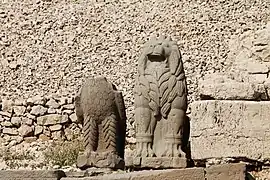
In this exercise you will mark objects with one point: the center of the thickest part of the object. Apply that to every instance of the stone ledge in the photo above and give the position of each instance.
(181, 174)
(33, 174)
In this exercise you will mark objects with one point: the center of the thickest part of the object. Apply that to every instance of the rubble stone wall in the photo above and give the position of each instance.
(38, 118)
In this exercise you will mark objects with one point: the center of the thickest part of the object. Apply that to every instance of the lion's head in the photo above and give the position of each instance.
(161, 49)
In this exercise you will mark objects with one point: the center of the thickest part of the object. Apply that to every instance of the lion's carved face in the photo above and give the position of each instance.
(158, 49)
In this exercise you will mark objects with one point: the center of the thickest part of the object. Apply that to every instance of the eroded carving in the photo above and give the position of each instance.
(161, 101)
(101, 109)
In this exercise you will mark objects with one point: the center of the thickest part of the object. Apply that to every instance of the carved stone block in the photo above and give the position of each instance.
(101, 109)
(162, 127)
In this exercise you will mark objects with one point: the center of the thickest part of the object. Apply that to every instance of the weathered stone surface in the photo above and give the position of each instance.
(6, 114)
(52, 111)
(27, 121)
(38, 100)
(30, 139)
(25, 130)
(169, 174)
(226, 172)
(230, 129)
(56, 127)
(6, 124)
(52, 104)
(161, 103)
(43, 137)
(38, 130)
(52, 119)
(100, 159)
(221, 87)
(16, 121)
(73, 118)
(19, 110)
(156, 162)
(7, 105)
(38, 110)
(10, 131)
(33, 174)
(101, 108)
(68, 106)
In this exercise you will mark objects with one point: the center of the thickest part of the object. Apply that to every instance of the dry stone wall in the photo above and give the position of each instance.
(38, 118)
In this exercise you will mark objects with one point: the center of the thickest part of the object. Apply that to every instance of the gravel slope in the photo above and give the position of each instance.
(49, 47)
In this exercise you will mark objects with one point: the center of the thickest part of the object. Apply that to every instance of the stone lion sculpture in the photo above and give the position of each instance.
(161, 101)
(101, 109)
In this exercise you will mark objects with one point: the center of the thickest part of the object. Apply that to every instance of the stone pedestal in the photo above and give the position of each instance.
(101, 160)
(156, 162)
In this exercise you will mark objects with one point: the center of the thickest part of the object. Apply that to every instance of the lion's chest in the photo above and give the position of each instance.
(156, 69)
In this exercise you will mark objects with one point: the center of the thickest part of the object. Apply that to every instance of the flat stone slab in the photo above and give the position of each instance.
(156, 162)
(221, 129)
(181, 174)
(226, 172)
(31, 174)
(102, 160)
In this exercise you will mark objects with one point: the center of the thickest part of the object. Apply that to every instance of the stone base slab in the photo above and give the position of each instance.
(181, 174)
(31, 175)
(156, 162)
(101, 160)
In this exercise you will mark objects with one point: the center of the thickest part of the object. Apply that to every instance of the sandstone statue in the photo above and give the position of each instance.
(161, 101)
(101, 109)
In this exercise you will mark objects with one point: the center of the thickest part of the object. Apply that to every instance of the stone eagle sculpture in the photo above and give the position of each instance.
(101, 109)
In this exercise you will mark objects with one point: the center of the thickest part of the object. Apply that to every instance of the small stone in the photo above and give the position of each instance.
(10, 131)
(70, 100)
(67, 111)
(69, 134)
(46, 131)
(52, 119)
(43, 137)
(29, 139)
(12, 143)
(30, 116)
(19, 139)
(38, 100)
(52, 104)
(25, 130)
(52, 111)
(19, 110)
(27, 121)
(38, 110)
(16, 121)
(30, 102)
(68, 106)
(6, 114)
(38, 130)
(73, 117)
(13, 65)
(56, 127)
(6, 124)
(63, 101)
(7, 106)
(57, 135)
(19, 102)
